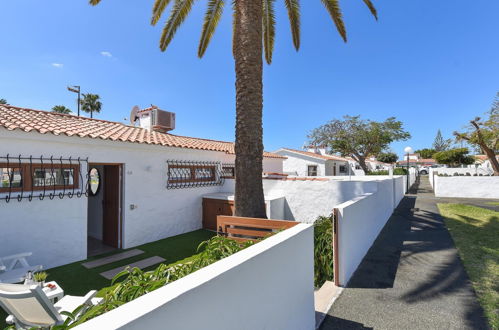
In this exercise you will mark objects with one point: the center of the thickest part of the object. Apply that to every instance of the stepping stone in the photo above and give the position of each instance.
(140, 264)
(112, 258)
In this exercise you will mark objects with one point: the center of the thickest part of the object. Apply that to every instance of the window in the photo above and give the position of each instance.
(343, 168)
(312, 170)
(10, 177)
(54, 176)
(228, 172)
(191, 173)
(357, 167)
(37, 177)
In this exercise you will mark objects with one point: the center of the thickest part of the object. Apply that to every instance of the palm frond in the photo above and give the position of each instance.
(268, 21)
(293, 7)
(211, 19)
(178, 14)
(371, 7)
(94, 2)
(158, 10)
(333, 7)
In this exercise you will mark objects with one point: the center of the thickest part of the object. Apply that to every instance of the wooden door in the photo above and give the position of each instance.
(111, 205)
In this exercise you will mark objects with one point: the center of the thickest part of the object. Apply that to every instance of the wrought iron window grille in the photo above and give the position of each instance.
(229, 170)
(191, 174)
(59, 183)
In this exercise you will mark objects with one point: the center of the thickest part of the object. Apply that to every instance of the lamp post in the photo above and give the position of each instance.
(408, 151)
(76, 89)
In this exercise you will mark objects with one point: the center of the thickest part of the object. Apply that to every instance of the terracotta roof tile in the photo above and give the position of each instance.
(16, 118)
(313, 154)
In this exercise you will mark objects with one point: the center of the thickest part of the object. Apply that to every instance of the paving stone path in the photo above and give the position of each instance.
(412, 277)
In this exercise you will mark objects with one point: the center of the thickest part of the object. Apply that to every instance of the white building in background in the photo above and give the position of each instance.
(314, 162)
(68, 180)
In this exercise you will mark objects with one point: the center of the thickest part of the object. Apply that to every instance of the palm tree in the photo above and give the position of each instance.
(61, 109)
(3, 101)
(91, 103)
(253, 36)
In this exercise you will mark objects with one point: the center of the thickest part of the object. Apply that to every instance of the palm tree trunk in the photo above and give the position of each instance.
(247, 49)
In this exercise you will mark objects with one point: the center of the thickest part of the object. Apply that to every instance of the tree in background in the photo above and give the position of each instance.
(90, 103)
(441, 144)
(485, 134)
(388, 157)
(426, 152)
(358, 138)
(61, 109)
(3, 101)
(252, 39)
(454, 157)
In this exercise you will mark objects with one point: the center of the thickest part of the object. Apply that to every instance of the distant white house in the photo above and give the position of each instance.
(313, 162)
(68, 180)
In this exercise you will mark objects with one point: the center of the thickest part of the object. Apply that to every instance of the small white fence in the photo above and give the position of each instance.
(480, 171)
(467, 186)
(269, 285)
(359, 223)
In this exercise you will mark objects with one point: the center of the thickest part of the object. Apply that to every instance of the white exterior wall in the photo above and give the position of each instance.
(360, 221)
(467, 186)
(269, 285)
(306, 200)
(56, 230)
(273, 165)
(298, 165)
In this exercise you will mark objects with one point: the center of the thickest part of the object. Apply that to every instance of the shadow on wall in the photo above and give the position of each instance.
(288, 213)
(379, 266)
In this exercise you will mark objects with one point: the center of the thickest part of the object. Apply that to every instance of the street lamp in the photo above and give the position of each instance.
(76, 89)
(408, 151)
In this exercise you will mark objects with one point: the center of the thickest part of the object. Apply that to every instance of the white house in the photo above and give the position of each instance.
(314, 162)
(67, 181)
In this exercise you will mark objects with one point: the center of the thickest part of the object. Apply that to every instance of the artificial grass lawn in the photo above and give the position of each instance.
(77, 280)
(476, 234)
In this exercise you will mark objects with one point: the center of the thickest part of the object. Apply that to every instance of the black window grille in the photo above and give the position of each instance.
(229, 171)
(40, 177)
(191, 174)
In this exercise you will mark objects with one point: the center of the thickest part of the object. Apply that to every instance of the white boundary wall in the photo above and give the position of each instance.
(269, 285)
(307, 200)
(360, 220)
(467, 186)
(451, 171)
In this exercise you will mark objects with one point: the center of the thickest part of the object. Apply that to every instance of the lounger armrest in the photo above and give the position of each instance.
(88, 297)
(10, 319)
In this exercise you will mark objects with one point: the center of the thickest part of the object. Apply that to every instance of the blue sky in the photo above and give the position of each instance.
(432, 64)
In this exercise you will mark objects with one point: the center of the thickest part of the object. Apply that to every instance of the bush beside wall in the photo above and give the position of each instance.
(323, 251)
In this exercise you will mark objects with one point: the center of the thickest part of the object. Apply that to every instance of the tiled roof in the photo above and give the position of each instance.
(16, 118)
(313, 154)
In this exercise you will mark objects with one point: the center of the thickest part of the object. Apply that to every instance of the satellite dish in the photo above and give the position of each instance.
(133, 114)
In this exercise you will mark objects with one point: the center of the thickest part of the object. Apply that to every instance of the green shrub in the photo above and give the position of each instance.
(137, 282)
(396, 171)
(323, 250)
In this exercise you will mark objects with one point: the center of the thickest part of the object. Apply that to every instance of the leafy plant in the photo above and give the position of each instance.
(323, 250)
(40, 276)
(454, 157)
(396, 171)
(136, 282)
